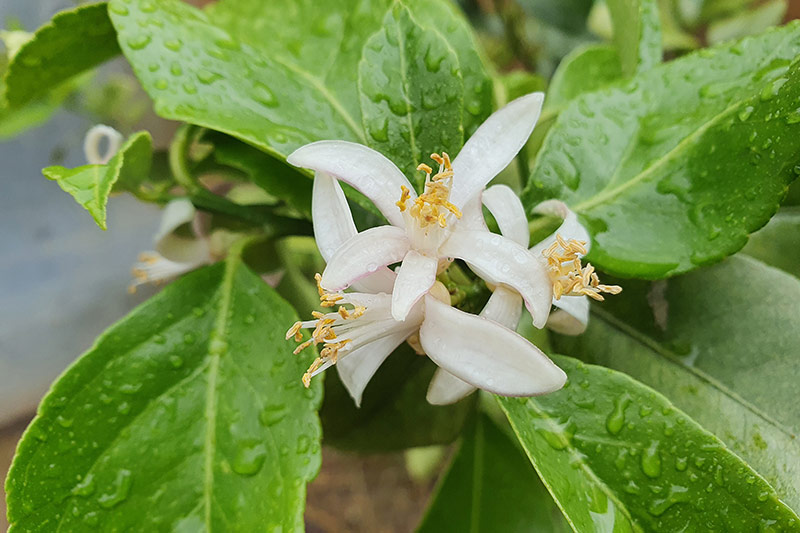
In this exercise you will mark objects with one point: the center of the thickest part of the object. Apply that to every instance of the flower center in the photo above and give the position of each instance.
(324, 332)
(433, 205)
(568, 276)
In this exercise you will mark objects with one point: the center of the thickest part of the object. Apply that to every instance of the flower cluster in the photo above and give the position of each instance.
(385, 307)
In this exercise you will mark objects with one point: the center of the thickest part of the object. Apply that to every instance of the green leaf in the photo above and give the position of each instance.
(91, 185)
(637, 33)
(411, 93)
(188, 415)
(673, 169)
(274, 176)
(778, 243)
(72, 42)
(749, 22)
(394, 414)
(279, 75)
(723, 344)
(617, 456)
(490, 486)
(585, 69)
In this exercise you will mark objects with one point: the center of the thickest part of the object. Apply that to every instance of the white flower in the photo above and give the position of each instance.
(444, 222)
(94, 139)
(477, 351)
(562, 252)
(175, 252)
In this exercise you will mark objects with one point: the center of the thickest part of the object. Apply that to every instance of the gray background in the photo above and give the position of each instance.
(62, 279)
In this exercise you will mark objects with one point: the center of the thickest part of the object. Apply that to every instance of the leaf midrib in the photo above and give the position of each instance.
(218, 335)
(607, 194)
(577, 458)
(673, 359)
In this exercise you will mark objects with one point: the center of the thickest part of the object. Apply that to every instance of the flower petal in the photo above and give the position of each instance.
(504, 307)
(380, 281)
(363, 168)
(415, 277)
(356, 368)
(507, 210)
(571, 317)
(91, 144)
(472, 215)
(493, 146)
(446, 389)
(500, 260)
(333, 221)
(175, 248)
(363, 254)
(571, 228)
(485, 354)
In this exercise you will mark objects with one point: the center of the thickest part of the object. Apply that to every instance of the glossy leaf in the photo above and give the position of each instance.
(490, 486)
(256, 79)
(637, 33)
(411, 93)
(72, 42)
(586, 69)
(747, 22)
(618, 456)
(274, 176)
(330, 43)
(394, 414)
(778, 243)
(722, 343)
(673, 169)
(91, 185)
(188, 415)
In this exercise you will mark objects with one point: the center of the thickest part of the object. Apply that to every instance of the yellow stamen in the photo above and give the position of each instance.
(569, 276)
(433, 205)
(323, 332)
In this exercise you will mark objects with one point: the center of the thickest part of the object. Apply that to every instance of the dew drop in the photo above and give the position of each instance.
(161, 84)
(173, 44)
(207, 77)
(189, 88)
(64, 422)
(85, 487)
(124, 408)
(159, 339)
(303, 444)
(793, 117)
(130, 388)
(91, 518)
(651, 460)
(118, 8)
(138, 42)
(272, 414)
(249, 458)
(264, 95)
(176, 361)
(119, 490)
(745, 113)
(188, 338)
(616, 419)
